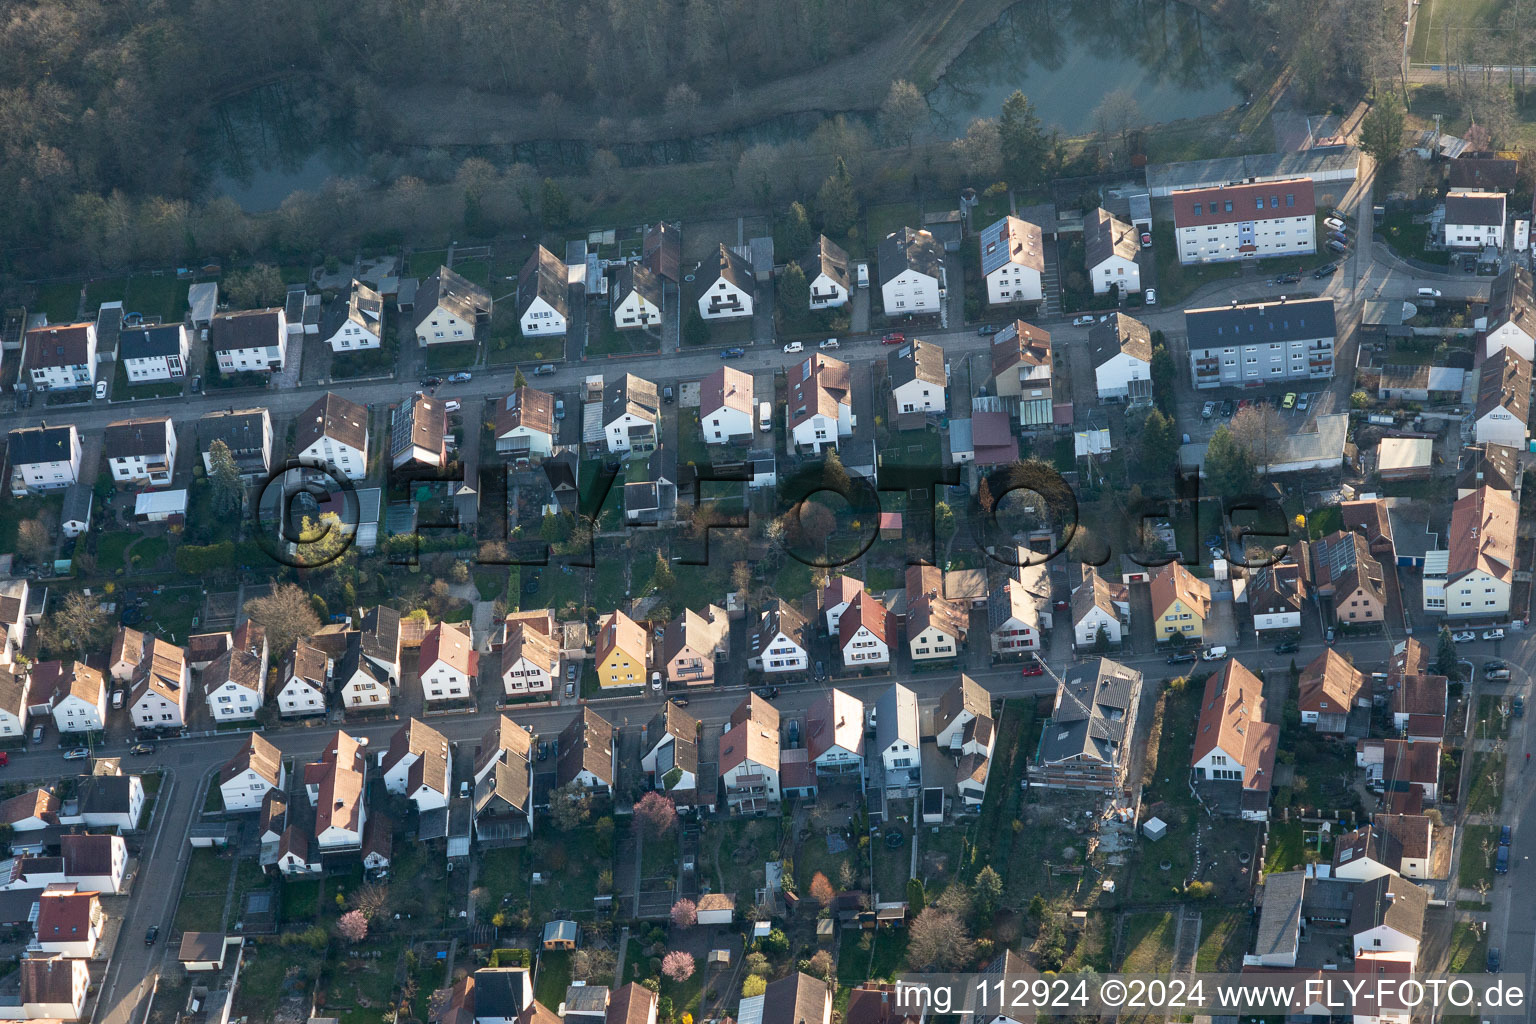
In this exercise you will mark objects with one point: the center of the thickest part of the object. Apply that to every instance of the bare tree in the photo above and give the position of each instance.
(1258, 430)
(980, 149)
(34, 541)
(903, 114)
(939, 941)
(78, 626)
(286, 614)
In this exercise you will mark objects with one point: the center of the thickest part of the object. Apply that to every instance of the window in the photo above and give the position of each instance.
(1197, 209)
(1227, 206)
(1290, 199)
(1259, 203)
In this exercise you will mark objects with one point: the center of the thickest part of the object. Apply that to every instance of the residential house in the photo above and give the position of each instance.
(58, 358)
(1109, 250)
(127, 653)
(1496, 465)
(1252, 220)
(1365, 854)
(157, 694)
(1388, 915)
(778, 642)
(107, 801)
(912, 279)
(826, 273)
(53, 987)
(936, 628)
(1414, 835)
(250, 340)
(32, 811)
(79, 694)
(820, 402)
(1276, 594)
(670, 750)
(919, 377)
(542, 290)
(749, 757)
(14, 618)
(94, 861)
(525, 423)
(306, 678)
(43, 458)
(1233, 760)
(588, 752)
(1502, 413)
(359, 680)
(661, 250)
(381, 640)
(1474, 220)
(631, 415)
(1087, 742)
(235, 683)
(448, 308)
(1476, 576)
(631, 1004)
(336, 785)
(693, 643)
(530, 660)
(418, 433)
(834, 734)
(504, 995)
(154, 353)
(15, 684)
(797, 998)
(1120, 349)
(503, 792)
(1277, 942)
(247, 778)
(333, 432)
(1023, 371)
(1013, 619)
(1403, 766)
(898, 742)
(622, 652)
(862, 633)
(1330, 689)
(247, 433)
(418, 765)
(726, 406)
(962, 704)
(651, 497)
(1419, 705)
(1098, 604)
(141, 452)
(69, 923)
(1180, 604)
(1510, 318)
(75, 514)
(637, 297)
(1012, 261)
(294, 857)
(1257, 344)
(724, 285)
(838, 594)
(357, 324)
(1347, 579)
(449, 664)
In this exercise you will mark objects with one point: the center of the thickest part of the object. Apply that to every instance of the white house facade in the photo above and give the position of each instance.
(154, 353)
(1110, 247)
(1245, 221)
(1474, 220)
(912, 279)
(1012, 260)
(43, 458)
(250, 341)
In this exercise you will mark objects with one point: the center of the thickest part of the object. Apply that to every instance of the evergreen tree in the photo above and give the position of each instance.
(797, 231)
(1445, 655)
(794, 293)
(1381, 130)
(1159, 446)
(553, 205)
(837, 205)
(1024, 144)
(224, 476)
(1228, 466)
(518, 380)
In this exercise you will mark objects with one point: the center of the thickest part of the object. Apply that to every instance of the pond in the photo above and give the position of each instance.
(270, 142)
(1067, 55)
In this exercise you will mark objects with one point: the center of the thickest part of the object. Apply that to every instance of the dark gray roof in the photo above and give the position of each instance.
(1120, 333)
(499, 992)
(1105, 236)
(910, 249)
(1011, 240)
(542, 277)
(247, 328)
(1280, 916)
(1095, 705)
(78, 499)
(364, 307)
(243, 430)
(1259, 323)
(1505, 383)
(826, 257)
(105, 794)
(1513, 299)
(147, 342)
(381, 633)
(127, 439)
(728, 265)
(916, 360)
(463, 298)
(637, 277)
(32, 445)
(334, 417)
(1483, 208)
(1494, 464)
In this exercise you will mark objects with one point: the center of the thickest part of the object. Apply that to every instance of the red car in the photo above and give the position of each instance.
(1034, 668)
(894, 338)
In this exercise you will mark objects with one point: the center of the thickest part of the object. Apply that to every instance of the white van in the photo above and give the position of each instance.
(764, 417)
(1216, 653)
(863, 275)
(1429, 293)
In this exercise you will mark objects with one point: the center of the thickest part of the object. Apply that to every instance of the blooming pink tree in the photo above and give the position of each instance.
(353, 926)
(685, 913)
(656, 813)
(677, 965)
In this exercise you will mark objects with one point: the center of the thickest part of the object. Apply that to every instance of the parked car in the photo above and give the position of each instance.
(988, 329)
(1518, 706)
(559, 408)
(141, 749)
(452, 405)
(668, 396)
(1493, 634)
(1326, 270)
(1333, 223)
(830, 343)
(732, 353)
(5, 758)
(1334, 245)
(1495, 961)
(1214, 653)
(462, 377)
(1466, 636)
(1493, 663)
(1505, 834)
(570, 673)
(1151, 296)
(767, 692)
(1033, 668)
(197, 384)
(37, 733)
(1146, 239)
(1287, 647)
(1429, 293)
(1181, 657)
(117, 699)
(431, 382)
(1208, 410)
(1501, 865)
(1290, 400)
(544, 369)
(151, 935)
(101, 389)
(894, 338)
(1302, 403)
(1226, 409)
(1082, 321)
(77, 754)
(1497, 675)
(794, 346)
(681, 702)
(1243, 403)
(1289, 279)
(570, 689)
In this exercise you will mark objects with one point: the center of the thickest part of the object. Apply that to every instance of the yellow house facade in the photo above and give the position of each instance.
(1180, 604)
(622, 650)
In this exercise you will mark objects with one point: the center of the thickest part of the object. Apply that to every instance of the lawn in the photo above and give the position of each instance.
(110, 548)
(1468, 950)
(553, 977)
(658, 859)
(1439, 22)
(568, 860)
(153, 295)
(451, 357)
(1223, 938)
(605, 339)
(207, 872)
(1176, 281)
(172, 610)
(1487, 789)
(301, 900)
(734, 851)
(504, 872)
(1284, 850)
(1476, 866)
(880, 221)
(1407, 239)
(263, 973)
(200, 914)
(423, 262)
(1492, 723)
(1148, 943)
(892, 867)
